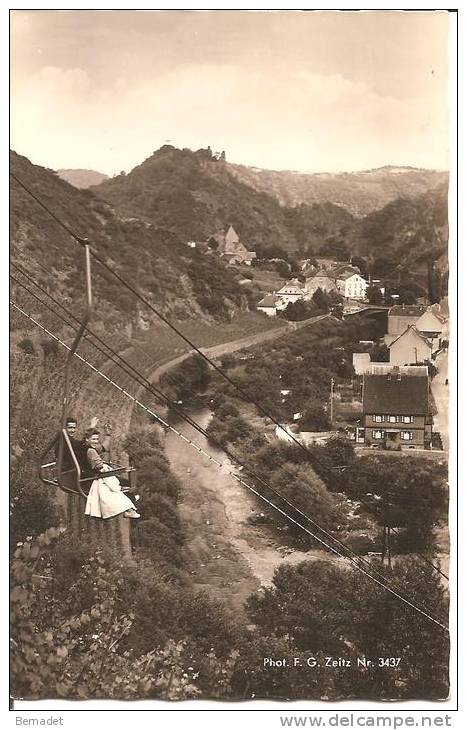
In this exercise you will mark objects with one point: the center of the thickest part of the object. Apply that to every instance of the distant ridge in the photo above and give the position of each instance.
(82, 178)
(360, 193)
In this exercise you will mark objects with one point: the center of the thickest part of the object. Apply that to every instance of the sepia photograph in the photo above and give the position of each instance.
(230, 239)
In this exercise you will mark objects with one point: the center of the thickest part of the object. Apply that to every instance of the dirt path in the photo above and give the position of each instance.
(225, 555)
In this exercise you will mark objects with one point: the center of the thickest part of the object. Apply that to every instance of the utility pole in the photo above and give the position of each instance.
(332, 401)
(386, 550)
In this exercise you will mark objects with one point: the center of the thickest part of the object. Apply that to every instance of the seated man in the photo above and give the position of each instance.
(68, 470)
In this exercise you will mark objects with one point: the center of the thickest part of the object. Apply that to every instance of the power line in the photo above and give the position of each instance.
(233, 474)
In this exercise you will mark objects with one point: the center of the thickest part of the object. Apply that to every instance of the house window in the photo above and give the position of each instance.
(407, 419)
(391, 419)
(407, 435)
(378, 419)
(378, 434)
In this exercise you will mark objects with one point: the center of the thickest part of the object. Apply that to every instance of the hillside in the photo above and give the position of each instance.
(408, 230)
(358, 192)
(194, 194)
(180, 281)
(82, 178)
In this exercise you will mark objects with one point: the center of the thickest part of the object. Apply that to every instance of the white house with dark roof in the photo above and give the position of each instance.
(351, 285)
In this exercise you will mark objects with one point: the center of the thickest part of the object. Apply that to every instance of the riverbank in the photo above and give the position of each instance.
(225, 555)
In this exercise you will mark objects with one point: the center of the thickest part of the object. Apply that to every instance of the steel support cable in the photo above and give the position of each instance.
(246, 396)
(136, 375)
(232, 473)
(129, 286)
(161, 396)
(141, 380)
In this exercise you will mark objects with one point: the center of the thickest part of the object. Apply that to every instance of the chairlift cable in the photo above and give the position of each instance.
(82, 241)
(138, 377)
(232, 473)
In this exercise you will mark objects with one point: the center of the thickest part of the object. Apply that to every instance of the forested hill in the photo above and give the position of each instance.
(180, 281)
(358, 192)
(411, 231)
(194, 195)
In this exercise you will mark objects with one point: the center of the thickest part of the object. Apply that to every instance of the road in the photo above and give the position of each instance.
(440, 393)
(226, 348)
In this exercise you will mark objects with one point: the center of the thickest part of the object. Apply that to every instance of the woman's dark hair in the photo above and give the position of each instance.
(91, 432)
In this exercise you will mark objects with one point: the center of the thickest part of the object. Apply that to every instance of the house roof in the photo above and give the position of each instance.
(415, 331)
(348, 274)
(344, 271)
(406, 396)
(290, 289)
(323, 278)
(268, 301)
(407, 310)
(430, 322)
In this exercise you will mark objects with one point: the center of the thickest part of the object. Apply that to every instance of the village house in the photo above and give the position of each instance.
(231, 249)
(268, 305)
(396, 410)
(410, 348)
(361, 362)
(432, 327)
(291, 292)
(351, 285)
(400, 316)
(319, 281)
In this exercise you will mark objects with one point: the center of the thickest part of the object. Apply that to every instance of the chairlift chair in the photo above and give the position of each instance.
(53, 473)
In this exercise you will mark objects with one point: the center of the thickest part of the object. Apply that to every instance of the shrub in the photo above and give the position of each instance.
(27, 345)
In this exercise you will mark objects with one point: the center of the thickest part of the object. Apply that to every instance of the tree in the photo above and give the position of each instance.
(58, 652)
(362, 264)
(303, 488)
(320, 606)
(321, 300)
(374, 295)
(314, 418)
(299, 310)
(407, 295)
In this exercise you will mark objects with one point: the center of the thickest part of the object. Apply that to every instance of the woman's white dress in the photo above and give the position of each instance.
(106, 499)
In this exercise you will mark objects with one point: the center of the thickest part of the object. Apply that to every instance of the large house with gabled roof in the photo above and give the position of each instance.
(410, 348)
(400, 316)
(396, 410)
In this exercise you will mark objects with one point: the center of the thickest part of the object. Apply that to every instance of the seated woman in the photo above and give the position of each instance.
(105, 498)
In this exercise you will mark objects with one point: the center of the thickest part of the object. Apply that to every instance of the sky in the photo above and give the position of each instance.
(305, 91)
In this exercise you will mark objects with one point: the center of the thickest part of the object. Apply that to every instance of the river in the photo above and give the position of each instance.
(227, 557)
